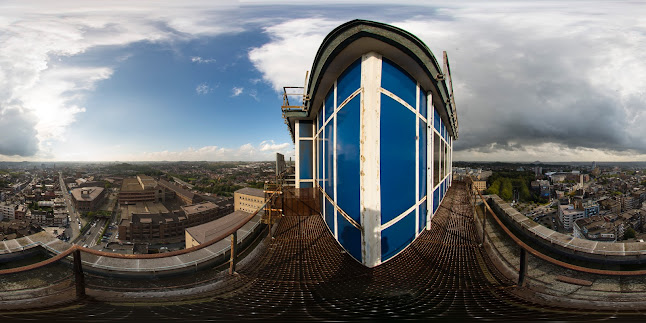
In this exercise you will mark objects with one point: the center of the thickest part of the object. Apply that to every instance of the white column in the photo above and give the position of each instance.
(430, 109)
(370, 193)
(336, 212)
(417, 134)
(297, 153)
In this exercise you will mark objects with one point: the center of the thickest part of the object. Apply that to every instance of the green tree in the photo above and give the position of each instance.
(629, 233)
(506, 189)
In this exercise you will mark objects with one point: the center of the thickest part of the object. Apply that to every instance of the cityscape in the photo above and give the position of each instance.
(340, 161)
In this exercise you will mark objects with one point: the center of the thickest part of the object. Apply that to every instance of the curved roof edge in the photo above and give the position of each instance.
(345, 34)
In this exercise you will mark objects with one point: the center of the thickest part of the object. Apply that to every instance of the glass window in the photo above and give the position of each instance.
(349, 237)
(347, 155)
(348, 82)
(320, 158)
(397, 165)
(329, 104)
(320, 119)
(305, 128)
(397, 237)
(329, 159)
(305, 159)
(398, 82)
(422, 103)
(436, 120)
(436, 159)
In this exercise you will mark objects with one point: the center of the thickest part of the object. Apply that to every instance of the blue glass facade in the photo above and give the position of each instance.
(378, 139)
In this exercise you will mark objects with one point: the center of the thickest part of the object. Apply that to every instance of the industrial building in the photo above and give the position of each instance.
(248, 199)
(142, 188)
(87, 198)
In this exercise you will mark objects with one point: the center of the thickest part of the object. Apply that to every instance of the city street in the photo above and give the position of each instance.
(75, 223)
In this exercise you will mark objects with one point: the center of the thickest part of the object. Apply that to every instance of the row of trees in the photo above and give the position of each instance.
(505, 183)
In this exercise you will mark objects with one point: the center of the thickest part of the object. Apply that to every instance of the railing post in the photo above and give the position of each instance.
(232, 261)
(79, 279)
(523, 267)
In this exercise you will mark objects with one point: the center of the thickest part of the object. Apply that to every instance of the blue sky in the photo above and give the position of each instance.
(194, 80)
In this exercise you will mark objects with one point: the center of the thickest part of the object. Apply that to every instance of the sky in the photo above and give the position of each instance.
(202, 80)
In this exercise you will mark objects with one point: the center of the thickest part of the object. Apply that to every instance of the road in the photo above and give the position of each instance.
(74, 219)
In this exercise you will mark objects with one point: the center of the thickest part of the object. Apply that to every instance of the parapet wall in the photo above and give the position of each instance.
(213, 255)
(581, 249)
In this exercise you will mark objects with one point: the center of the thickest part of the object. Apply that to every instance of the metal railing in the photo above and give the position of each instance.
(78, 264)
(524, 247)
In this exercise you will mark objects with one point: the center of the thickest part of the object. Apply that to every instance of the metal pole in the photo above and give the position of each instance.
(232, 261)
(79, 278)
(523, 267)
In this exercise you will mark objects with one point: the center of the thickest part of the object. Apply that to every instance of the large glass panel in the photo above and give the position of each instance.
(422, 103)
(349, 237)
(436, 159)
(307, 184)
(397, 237)
(305, 155)
(329, 104)
(397, 81)
(329, 215)
(436, 120)
(320, 119)
(348, 82)
(320, 158)
(397, 158)
(422, 216)
(329, 158)
(347, 154)
(436, 199)
(305, 128)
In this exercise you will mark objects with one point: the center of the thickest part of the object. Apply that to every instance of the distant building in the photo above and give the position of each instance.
(140, 189)
(202, 233)
(172, 191)
(629, 203)
(480, 186)
(88, 198)
(611, 205)
(150, 221)
(248, 199)
(568, 215)
(596, 228)
(7, 211)
(21, 212)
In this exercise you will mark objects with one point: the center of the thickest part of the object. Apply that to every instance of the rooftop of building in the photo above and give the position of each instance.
(86, 193)
(251, 191)
(176, 188)
(137, 184)
(207, 231)
(199, 207)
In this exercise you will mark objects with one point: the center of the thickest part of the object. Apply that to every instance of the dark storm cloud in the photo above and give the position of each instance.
(532, 74)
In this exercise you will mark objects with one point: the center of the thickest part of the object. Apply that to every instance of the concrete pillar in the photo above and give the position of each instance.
(79, 279)
(232, 261)
(523, 267)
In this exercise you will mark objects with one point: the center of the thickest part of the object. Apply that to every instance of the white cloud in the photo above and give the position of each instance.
(236, 91)
(33, 38)
(203, 89)
(264, 151)
(271, 146)
(200, 60)
(566, 81)
(284, 60)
